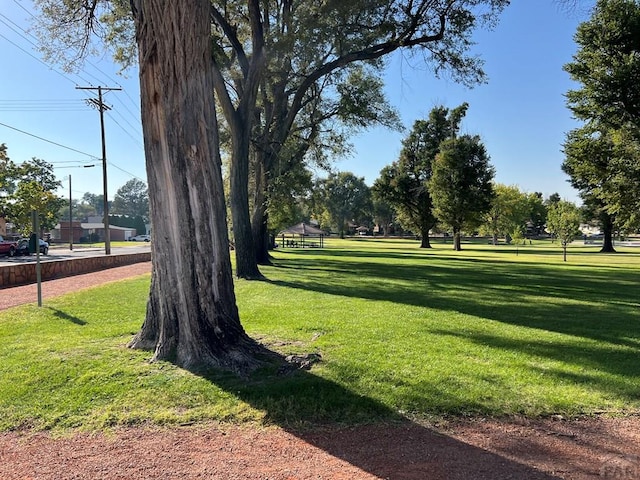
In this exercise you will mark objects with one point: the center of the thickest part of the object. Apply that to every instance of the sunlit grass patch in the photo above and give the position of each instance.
(401, 331)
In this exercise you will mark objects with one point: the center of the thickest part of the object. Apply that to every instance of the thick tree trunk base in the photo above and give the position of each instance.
(242, 358)
(608, 249)
(266, 261)
(251, 277)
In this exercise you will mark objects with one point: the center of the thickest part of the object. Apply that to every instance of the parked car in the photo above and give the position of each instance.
(7, 247)
(140, 238)
(23, 247)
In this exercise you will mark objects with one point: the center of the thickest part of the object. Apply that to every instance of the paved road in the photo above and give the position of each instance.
(62, 252)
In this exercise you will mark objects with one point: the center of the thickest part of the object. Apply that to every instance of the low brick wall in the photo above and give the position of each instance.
(24, 273)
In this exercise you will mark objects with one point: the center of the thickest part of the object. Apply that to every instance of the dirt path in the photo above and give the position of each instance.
(471, 450)
(588, 448)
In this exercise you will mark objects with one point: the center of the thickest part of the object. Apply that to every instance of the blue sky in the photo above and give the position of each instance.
(520, 113)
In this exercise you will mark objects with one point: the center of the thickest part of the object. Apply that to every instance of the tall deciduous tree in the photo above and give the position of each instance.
(602, 157)
(589, 162)
(510, 209)
(32, 186)
(607, 66)
(95, 202)
(405, 183)
(132, 199)
(301, 47)
(345, 198)
(192, 316)
(461, 184)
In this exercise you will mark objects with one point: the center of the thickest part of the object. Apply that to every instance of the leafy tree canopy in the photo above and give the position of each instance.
(461, 184)
(132, 199)
(342, 197)
(607, 65)
(30, 186)
(510, 209)
(563, 221)
(404, 184)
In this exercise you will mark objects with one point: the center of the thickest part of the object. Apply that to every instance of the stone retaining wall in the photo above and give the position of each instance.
(24, 273)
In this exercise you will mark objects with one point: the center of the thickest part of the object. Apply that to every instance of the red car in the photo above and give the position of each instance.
(8, 247)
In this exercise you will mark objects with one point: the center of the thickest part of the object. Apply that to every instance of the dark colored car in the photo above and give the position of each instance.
(23, 247)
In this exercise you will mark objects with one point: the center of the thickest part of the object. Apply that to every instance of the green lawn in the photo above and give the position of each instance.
(402, 332)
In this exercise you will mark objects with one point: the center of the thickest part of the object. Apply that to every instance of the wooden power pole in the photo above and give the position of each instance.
(102, 107)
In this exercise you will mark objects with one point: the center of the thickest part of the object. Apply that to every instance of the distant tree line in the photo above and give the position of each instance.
(441, 182)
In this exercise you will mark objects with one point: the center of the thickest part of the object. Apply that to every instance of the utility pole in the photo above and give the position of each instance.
(100, 105)
(70, 217)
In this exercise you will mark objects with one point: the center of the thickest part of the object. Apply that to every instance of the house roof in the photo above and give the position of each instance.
(302, 229)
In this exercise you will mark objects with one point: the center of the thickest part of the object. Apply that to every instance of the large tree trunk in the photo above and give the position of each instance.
(192, 318)
(607, 231)
(246, 265)
(240, 121)
(457, 245)
(424, 233)
(259, 218)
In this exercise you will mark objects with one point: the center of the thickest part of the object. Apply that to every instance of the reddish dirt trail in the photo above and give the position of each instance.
(489, 449)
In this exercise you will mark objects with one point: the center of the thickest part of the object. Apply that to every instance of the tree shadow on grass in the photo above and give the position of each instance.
(363, 432)
(599, 304)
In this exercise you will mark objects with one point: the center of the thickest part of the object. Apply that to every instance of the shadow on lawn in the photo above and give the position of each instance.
(363, 432)
(599, 304)
(495, 289)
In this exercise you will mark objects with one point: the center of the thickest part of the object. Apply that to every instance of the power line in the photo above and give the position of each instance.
(133, 102)
(49, 141)
(127, 132)
(33, 44)
(41, 105)
(23, 8)
(128, 173)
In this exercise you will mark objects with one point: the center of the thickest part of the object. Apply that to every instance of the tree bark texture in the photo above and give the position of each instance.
(246, 265)
(457, 246)
(607, 237)
(192, 318)
(424, 233)
(259, 220)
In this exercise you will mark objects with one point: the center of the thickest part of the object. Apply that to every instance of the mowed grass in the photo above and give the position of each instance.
(402, 332)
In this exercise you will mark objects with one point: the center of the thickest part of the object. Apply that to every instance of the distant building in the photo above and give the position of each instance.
(89, 232)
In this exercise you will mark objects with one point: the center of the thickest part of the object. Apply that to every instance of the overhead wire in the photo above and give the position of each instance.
(42, 105)
(52, 106)
(50, 141)
(124, 171)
